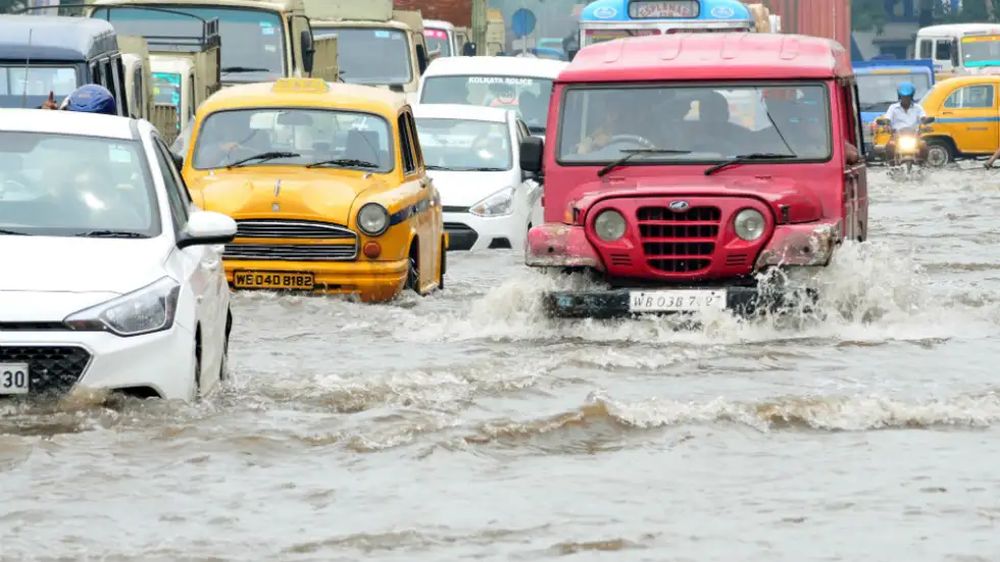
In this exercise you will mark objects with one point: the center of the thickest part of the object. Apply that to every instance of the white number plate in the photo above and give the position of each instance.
(13, 378)
(677, 300)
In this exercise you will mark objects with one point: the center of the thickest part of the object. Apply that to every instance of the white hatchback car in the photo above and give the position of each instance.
(111, 278)
(472, 154)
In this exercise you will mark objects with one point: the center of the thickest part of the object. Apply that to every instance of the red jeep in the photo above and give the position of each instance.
(680, 167)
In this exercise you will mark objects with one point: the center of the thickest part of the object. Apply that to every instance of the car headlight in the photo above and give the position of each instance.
(610, 225)
(499, 204)
(150, 309)
(373, 219)
(907, 144)
(749, 224)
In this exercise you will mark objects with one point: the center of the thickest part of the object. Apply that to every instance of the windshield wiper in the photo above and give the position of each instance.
(111, 234)
(346, 162)
(264, 157)
(13, 232)
(629, 154)
(235, 69)
(741, 158)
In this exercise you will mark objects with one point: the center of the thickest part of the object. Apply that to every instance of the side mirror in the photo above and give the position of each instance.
(927, 120)
(421, 59)
(178, 160)
(308, 51)
(532, 149)
(571, 54)
(469, 49)
(206, 228)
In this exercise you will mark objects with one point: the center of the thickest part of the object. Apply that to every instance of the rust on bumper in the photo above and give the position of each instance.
(801, 245)
(561, 245)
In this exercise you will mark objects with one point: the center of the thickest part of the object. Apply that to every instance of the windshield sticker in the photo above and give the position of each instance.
(271, 48)
(266, 24)
(119, 155)
(267, 31)
(510, 80)
(382, 34)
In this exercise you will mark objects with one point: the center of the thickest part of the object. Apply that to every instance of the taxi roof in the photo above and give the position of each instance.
(307, 92)
(495, 66)
(66, 123)
(709, 56)
(55, 38)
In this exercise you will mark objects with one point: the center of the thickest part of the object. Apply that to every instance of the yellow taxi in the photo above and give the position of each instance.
(966, 118)
(327, 185)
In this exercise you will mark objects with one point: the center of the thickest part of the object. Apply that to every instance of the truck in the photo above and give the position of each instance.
(139, 87)
(263, 39)
(479, 30)
(377, 45)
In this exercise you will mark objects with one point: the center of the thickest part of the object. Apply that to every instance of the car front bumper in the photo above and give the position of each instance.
(470, 232)
(63, 361)
(371, 281)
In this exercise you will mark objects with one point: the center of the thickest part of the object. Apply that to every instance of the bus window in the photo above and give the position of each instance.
(943, 51)
(926, 49)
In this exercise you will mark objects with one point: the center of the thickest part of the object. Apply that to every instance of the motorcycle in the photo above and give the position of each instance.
(908, 159)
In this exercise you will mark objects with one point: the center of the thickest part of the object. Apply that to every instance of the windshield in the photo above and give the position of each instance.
(878, 91)
(713, 123)
(99, 185)
(252, 39)
(437, 42)
(529, 96)
(16, 91)
(371, 56)
(461, 145)
(980, 51)
(314, 135)
(593, 36)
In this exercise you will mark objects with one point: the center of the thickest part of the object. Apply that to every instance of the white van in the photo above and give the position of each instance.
(962, 48)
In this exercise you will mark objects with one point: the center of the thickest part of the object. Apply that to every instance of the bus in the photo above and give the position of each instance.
(960, 49)
(605, 20)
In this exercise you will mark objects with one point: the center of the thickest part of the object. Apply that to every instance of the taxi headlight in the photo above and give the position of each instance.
(373, 219)
(908, 144)
(149, 309)
(610, 225)
(749, 224)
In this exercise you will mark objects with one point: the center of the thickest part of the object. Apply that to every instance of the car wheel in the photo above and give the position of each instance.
(224, 364)
(938, 153)
(413, 277)
(443, 266)
(197, 364)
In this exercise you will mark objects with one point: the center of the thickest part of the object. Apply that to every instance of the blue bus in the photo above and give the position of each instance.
(877, 84)
(604, 20)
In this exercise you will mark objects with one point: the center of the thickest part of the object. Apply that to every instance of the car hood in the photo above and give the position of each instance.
(301, 194)
(46, 278)
(803, 204)
(465, 189)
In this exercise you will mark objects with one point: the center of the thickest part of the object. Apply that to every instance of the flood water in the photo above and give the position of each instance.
(465, 425)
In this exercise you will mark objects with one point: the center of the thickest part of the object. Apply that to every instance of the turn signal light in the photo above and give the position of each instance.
(372, 250)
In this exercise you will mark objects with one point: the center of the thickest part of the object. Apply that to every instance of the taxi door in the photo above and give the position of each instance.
(971, 117)
(423, 211)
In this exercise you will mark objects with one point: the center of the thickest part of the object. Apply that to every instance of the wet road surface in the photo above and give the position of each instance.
(467, 426)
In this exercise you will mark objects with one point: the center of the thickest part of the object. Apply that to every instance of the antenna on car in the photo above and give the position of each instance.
(27, 68)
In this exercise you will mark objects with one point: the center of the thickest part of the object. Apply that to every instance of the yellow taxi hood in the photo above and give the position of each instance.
(289, 193)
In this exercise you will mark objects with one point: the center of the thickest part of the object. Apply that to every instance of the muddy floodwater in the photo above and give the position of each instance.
(465, 425)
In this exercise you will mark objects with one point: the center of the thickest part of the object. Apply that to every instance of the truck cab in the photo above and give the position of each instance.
(377, 45)
(264, 39)
(50, 54)
(678, 170)
(441, 40)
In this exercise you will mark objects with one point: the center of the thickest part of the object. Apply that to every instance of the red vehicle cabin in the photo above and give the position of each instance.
(679, 168)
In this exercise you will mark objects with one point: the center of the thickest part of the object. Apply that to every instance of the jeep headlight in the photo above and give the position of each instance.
(373, 219)
(749, 224)
(610, 225)
(149, 309)
(499, 204)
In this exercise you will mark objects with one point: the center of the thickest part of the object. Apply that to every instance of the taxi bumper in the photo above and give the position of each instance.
(371, 281)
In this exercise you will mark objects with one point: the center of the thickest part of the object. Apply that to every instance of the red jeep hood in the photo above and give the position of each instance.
(803, 204)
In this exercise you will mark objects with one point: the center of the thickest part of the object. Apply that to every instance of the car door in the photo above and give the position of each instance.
(200, 269)
(971, 113)
(414, 174)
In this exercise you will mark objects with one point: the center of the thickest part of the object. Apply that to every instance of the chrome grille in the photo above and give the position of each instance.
(292, 229)
(292, 252)
(679, 242)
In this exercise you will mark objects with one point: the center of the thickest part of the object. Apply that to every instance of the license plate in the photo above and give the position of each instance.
(14, 378)
(273, 280)
(693, 300)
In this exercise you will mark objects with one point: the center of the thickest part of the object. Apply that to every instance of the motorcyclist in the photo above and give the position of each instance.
(89, 98)
(904, 115)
